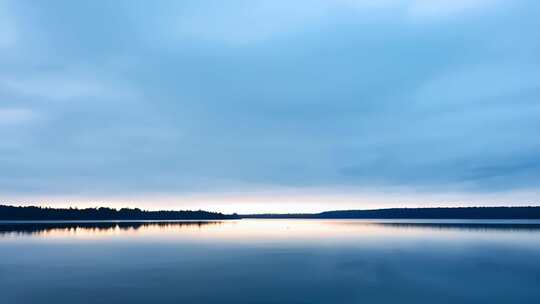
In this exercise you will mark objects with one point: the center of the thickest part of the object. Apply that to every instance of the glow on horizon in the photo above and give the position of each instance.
(255, 231)
(286, 202)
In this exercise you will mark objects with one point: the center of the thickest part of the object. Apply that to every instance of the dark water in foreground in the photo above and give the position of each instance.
(270, 261)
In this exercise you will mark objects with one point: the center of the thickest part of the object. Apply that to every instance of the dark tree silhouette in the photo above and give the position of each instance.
(419, 213)
(50, 214)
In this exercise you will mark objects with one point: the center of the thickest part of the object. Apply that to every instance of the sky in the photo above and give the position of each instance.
(270, 105)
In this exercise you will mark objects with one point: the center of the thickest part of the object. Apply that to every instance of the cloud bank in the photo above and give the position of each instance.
(138, 99)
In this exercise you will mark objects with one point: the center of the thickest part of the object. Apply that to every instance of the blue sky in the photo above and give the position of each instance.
(270, 105)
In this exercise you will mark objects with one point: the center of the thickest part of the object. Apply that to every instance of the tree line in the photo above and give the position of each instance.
(418, 213)
(33, 213)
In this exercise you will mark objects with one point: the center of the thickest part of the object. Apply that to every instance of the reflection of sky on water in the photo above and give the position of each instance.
(270, 261)
(273, 231)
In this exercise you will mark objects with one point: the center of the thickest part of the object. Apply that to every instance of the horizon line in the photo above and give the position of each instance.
(265, 213)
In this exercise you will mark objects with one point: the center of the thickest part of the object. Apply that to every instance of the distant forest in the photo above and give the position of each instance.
(12, 213)
(419, 213)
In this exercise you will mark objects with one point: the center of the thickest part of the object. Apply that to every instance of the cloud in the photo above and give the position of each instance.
(175, 98)
(8, 27)
(14, 116)
(250, 22)
(63, 86)
(245, 22)
(448, 8)
(480, 84)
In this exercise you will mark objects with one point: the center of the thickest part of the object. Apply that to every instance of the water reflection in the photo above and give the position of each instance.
(95, 228)
(270, 261)
(509, 227)
(257, 228)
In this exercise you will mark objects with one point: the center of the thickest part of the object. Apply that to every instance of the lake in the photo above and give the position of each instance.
(270, 261)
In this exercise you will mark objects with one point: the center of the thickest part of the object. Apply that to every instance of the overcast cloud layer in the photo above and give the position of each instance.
(113, 98)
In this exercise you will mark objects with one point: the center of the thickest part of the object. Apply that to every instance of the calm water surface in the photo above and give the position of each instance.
(270, 261)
